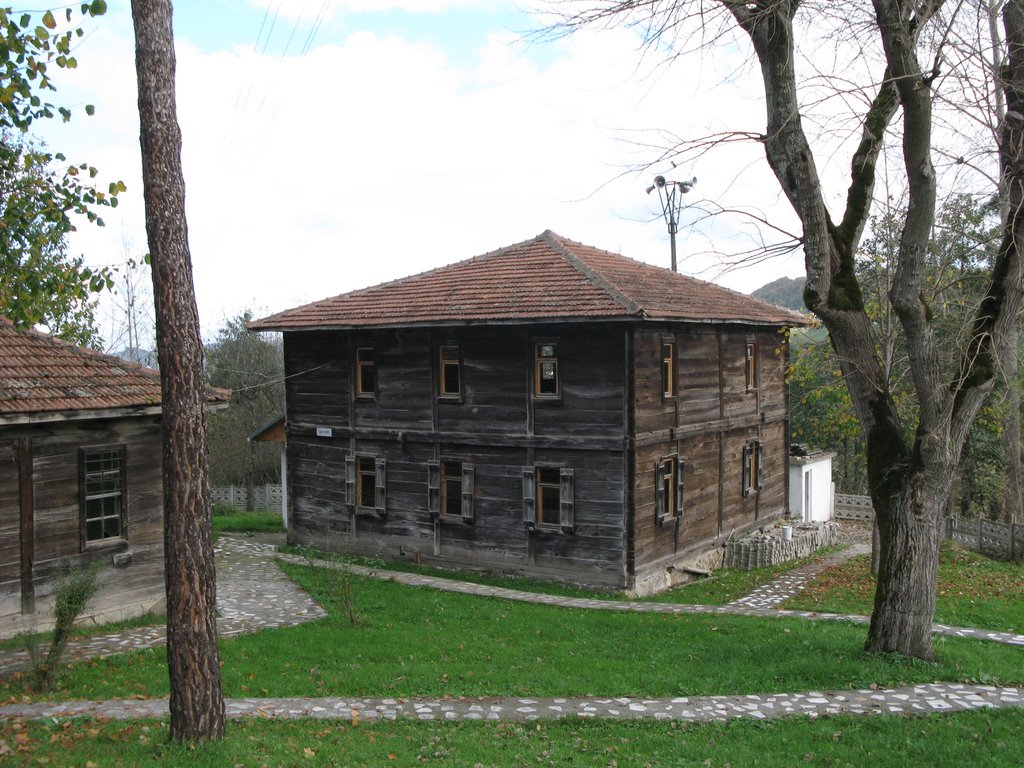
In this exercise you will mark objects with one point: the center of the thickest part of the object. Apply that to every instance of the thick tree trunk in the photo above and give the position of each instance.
(907, 572)
(193, 660)
(1011, 433)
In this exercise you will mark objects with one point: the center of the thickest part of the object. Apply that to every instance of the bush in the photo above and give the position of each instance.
(72, 594)
(223, 509)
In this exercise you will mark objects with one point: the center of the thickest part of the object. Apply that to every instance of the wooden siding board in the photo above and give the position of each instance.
(496, 427)
(56, 494)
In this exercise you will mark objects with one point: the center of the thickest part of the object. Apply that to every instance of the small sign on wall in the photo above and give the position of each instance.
(324, 432)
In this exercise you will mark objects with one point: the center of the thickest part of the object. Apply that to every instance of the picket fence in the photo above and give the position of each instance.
(999, 539)
(266, 498)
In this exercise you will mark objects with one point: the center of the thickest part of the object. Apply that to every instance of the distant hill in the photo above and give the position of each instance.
(785, 292)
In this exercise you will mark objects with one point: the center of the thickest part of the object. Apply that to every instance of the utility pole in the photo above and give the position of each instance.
(670, 194)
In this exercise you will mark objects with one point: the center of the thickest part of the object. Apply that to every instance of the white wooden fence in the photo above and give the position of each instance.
(991, 538)
(266, 498)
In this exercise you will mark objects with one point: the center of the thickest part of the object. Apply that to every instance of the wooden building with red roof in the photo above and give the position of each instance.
(80, 478)
(549, 408)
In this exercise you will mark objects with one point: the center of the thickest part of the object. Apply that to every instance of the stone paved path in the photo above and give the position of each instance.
(792, 582)
(918, 699)
(253, 594)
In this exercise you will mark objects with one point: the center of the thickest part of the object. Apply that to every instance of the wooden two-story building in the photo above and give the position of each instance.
(549, 408)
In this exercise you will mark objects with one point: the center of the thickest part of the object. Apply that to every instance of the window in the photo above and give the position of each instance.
(549, 488)
(366, 372)
(449, 372)
(752, 467)
(103, 483)
(366, 482)
(365, 489)
(450, 490)
(668, 490)
(548, 498)
(668, 369)
(750, 366)
(545, 370)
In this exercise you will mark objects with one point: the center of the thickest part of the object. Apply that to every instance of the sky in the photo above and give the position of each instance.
(330, 145)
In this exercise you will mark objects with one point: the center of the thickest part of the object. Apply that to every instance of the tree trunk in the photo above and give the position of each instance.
(905, 585)
(193, 659)
(1011, 157)
(1011, 433)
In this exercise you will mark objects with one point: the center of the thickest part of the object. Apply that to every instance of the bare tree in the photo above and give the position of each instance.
(130, 301)
(910, 471)
(193, 659)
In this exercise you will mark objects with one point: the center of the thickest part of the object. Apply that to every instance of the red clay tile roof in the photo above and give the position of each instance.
(546, 278)
(40, 374)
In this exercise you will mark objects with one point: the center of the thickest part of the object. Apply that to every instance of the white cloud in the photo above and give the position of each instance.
(373, 157)
(310, 9)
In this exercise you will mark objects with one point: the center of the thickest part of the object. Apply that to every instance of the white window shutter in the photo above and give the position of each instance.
(468, 474)
(680, 484)
(660, 502)
(529, 496)
(350, 481)
(380, 486)
(760, 464)
(746, 470)
(566, 511)
(434, 488)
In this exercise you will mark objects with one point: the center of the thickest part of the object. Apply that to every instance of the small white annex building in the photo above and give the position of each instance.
(811, 492)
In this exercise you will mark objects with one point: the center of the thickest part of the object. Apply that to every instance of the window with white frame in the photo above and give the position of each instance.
(546, 377)
(103, 493)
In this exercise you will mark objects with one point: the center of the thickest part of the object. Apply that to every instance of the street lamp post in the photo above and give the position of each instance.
(670, 194)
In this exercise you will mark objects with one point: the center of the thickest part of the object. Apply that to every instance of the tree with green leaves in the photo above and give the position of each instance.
(959, 257)
(40, 192)
(251, 365)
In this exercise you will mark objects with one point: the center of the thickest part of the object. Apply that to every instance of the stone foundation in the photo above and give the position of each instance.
(768, 547)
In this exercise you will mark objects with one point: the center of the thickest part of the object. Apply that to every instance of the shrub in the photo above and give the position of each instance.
(73, 592)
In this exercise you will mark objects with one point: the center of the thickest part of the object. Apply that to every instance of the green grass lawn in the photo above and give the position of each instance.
(228, 519)
(726, 584)
(973, 590)
(421, 642)
(979, 738)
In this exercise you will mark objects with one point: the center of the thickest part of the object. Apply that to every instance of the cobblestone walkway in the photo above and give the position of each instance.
(253, 594)
(790, 583)
(918, 699)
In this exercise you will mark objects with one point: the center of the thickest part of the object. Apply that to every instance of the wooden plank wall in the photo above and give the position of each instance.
(56, 491)
(10, 506)
(495, 425)
(707, 424)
